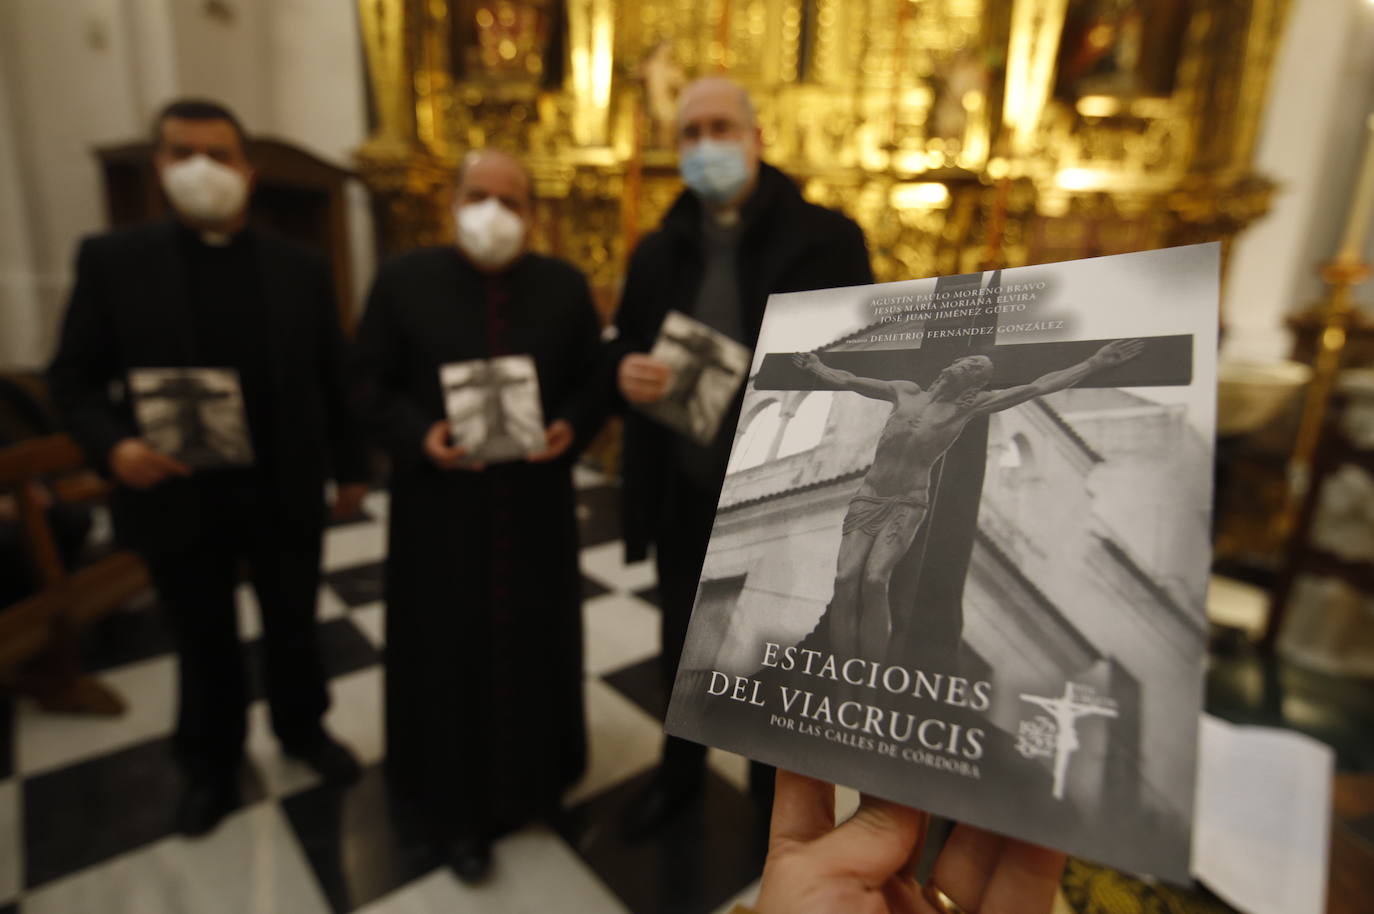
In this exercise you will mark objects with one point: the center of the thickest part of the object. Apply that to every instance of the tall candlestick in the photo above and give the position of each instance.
(1357, 222)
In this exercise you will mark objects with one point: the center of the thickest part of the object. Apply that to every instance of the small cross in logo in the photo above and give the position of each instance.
(1065, 711)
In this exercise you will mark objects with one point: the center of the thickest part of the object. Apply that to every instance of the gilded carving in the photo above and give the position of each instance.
(960, 133)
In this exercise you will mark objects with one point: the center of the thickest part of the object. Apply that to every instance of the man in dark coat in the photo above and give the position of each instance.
(484, 715)
(208, 291)
(740, 232)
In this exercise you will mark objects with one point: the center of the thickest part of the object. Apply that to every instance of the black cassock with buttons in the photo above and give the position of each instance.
(484, 710)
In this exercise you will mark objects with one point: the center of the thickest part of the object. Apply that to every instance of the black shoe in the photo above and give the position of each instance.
(205, 803)
(655, 806)
(470, 859)
(330, 759)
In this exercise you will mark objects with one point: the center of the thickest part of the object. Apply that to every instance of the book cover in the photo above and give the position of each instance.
(493, 407)
(708, 368)
(961, 556)
(193, 414)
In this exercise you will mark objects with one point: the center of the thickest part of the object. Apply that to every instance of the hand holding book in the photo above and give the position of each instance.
(814, 867)
(348, 501)
(643, 379)
(689, 379)
(139, 465)
(558, 437)
(443, 453)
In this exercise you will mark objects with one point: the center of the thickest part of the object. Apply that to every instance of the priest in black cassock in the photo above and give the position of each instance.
(484, 716)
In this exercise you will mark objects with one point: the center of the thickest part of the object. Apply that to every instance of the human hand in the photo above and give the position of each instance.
(864, 866)
(1116, 352)
(443, 454)
(348, 500)
(643, 378)
(139, 465)
(806, 361)
(558, 437)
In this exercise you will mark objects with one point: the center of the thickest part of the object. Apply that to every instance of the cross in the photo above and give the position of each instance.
(1066, 712)
(945, 540)
(188, 394)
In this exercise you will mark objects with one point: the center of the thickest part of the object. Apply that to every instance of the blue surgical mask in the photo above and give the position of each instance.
(715, 170)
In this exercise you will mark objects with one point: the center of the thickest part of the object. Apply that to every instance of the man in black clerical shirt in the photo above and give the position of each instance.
(740, 232)
(207, 291)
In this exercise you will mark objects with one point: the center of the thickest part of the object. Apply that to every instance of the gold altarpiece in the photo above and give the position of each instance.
(962, 134)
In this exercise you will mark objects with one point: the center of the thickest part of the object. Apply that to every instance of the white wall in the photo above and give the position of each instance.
(76, 74)
(18, 283)
(56, 112)
(1312, 139)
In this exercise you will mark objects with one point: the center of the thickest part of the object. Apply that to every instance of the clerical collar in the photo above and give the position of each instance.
(210, 238)
(725, 218)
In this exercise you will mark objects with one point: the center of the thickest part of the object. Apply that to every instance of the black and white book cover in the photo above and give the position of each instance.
(493, 407)
(193, 414)
(961, 556)
(708, 368)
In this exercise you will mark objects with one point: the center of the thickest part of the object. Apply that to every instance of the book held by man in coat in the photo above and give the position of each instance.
(707, 370)
(193, 414)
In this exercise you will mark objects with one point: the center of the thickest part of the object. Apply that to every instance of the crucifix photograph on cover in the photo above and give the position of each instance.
(707, 370)
(493, 407)
(193, 414)
(961, 555)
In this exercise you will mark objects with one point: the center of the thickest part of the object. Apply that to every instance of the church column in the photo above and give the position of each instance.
(410, 179)
(591, 44)
(18, 280)
(787, 411)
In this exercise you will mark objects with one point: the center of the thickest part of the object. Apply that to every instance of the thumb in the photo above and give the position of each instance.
(875, 843)
(169, 463)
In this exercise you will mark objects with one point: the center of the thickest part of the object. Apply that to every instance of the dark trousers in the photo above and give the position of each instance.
(196, 589)
(688, 515)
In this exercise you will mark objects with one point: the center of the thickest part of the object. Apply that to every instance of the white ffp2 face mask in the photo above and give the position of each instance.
(203, 190)
(489, 233)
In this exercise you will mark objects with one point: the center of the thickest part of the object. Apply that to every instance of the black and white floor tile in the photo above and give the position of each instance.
(86, 805)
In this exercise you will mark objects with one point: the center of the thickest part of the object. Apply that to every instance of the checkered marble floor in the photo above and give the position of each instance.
(86, 805)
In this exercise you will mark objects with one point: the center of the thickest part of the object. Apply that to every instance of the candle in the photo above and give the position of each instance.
(1357, 223)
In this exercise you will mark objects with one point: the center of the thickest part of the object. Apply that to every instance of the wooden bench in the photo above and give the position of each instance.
(43, 627)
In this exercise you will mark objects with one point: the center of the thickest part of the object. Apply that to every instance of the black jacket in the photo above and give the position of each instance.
(786, 245)
(130, 309)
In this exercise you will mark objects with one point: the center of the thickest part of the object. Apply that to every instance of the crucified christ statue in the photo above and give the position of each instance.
(888, 510)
